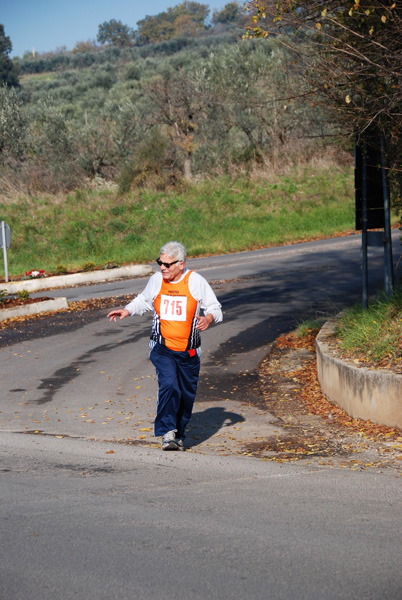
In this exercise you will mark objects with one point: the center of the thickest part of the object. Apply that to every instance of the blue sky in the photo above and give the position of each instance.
(46, 25)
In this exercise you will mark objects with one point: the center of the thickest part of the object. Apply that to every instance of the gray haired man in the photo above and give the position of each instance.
(184, 304)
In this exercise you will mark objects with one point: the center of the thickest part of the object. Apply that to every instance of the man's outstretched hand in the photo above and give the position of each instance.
(120, 313)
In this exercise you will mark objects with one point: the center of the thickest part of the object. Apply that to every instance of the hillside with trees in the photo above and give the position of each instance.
(181, 97)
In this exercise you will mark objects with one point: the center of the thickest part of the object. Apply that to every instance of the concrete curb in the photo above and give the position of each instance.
(363, 393)
(33, 309)
(48, 283)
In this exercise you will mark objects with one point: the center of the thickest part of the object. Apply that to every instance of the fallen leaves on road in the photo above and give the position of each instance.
(95, 303)
(78, 314)
(76, 306)
(315, 428)
(318, 405)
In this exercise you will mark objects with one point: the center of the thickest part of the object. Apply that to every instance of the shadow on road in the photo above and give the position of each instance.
(206, 423)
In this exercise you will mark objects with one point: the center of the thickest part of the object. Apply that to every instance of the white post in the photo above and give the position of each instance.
(3, 237)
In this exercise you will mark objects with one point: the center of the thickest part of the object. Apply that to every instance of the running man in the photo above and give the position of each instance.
(184, 304)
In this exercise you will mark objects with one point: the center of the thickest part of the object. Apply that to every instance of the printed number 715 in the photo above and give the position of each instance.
(176, 307)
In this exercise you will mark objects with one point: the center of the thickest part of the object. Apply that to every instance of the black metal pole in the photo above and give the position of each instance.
(388, 262)
(364, 225)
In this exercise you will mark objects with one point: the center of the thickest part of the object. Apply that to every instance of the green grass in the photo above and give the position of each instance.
(309, 327)
(212, 217)
(374, 333)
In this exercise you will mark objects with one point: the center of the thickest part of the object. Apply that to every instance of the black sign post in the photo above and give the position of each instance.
(388, 262)
(364, 223)
(372, 204)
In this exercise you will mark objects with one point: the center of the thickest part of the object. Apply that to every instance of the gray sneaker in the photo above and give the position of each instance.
(169, 441)
(180, 444)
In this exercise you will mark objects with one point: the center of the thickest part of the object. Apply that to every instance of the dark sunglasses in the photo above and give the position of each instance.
(167, 265)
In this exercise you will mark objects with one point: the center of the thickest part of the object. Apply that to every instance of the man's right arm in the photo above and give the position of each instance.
(144, 302)
(141, 303)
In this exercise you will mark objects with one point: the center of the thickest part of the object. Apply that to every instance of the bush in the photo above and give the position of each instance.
(12, 125)
(23, 295)
(132, 72)
(153, 165)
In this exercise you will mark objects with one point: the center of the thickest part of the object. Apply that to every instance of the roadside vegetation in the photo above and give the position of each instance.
(60, 233)
(373, 336)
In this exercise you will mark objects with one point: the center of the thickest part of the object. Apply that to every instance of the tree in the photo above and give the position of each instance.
(84, 47)
(177, 103)
(255, 109)
(115, 33)
(187, 18)
(198, 12)
(154, 29)
(184, 25)
(351, 56)
(8, 70)
(51, 150)
(230, 13)
(12, 125)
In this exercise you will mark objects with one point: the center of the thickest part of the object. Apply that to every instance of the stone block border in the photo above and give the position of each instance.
(374, 395)
(33, 309)
(57, 281)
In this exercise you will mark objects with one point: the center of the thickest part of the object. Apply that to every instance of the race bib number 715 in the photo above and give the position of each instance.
(173, 308)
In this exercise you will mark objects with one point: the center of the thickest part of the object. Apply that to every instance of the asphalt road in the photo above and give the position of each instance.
(79, 522)
(93, 509)
(93, 379)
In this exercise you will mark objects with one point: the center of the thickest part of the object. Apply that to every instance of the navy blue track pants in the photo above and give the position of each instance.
(178, 374)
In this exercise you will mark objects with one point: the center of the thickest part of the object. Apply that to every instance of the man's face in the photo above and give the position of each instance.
(175, 271)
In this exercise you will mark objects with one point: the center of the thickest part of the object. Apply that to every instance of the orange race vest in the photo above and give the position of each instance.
(175, 310)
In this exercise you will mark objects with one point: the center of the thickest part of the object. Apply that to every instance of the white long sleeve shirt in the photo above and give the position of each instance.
(198, 287)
